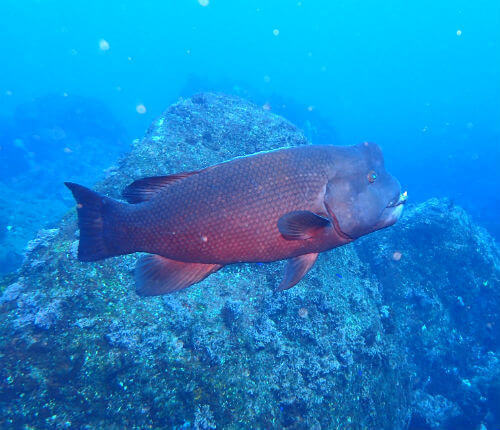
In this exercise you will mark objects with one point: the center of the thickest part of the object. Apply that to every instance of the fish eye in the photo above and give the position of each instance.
(372, 176)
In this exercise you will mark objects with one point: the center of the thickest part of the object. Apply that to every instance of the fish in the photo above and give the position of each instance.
(285, 204)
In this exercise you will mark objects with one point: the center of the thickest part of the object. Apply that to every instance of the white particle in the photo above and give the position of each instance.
(103, 45)
(203, 2)
(140, 108)
(276, 32)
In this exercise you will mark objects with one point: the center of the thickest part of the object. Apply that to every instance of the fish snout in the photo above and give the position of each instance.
(399, 200)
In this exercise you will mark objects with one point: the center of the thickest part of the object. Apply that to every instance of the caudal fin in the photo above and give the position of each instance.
(96, 214)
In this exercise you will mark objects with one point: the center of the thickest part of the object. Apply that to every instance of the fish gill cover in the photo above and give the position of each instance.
(398, 330)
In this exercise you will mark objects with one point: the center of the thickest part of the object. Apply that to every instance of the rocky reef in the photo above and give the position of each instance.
(399, 330)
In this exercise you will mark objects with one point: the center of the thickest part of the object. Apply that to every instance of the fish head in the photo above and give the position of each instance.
(361, 196)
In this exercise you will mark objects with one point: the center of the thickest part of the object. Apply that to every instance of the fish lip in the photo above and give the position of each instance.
(336, 225)
(401, 201)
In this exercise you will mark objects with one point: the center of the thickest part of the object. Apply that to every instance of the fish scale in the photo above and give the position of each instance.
(242, 225)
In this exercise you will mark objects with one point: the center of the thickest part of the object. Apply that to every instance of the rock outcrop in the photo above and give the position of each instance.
(345, 348)
(440, 278)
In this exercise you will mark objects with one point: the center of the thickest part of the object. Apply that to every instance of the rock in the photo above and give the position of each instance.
(229, 352)
(11, 292)
(444, 296)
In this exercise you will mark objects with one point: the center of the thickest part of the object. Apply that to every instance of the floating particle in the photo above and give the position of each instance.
(8, 93)
(459, 32)
(118, 88)
(103, 45)
(203, 2)
(65, 94)
(266, 106)
(267, 79)
(276, 32)
(129, 58)
(303, 312)
(310, 108)
(140, 108)
(396, 256)
(188, 51)
(73, 51)
(67, 150)
(323, 68)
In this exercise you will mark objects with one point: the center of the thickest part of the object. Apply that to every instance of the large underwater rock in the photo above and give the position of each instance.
(440, 278)
(79, 349)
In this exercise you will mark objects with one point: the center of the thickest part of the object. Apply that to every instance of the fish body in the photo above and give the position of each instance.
(264, 207)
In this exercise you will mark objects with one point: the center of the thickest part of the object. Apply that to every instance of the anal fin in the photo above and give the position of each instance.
(156, 275)
(296, 269)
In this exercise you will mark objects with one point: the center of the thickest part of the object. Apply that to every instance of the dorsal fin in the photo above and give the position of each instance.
(146, 188)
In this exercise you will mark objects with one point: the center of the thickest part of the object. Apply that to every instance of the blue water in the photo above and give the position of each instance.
(80, 80)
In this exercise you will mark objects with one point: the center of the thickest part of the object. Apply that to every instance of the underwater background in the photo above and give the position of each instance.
(84, 86)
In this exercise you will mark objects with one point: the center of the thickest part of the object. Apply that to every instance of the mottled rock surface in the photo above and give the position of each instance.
(440, 278)
(78, 348)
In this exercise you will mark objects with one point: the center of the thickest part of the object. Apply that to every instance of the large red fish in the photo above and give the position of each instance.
(289, 203)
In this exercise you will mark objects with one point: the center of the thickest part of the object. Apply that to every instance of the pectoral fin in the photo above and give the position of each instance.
(296, 269)
(156, 275)
(301, 224)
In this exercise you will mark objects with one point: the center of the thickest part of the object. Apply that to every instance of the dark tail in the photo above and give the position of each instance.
(98, 217)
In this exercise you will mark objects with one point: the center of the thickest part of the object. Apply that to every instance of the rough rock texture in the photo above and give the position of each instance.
(78, 348)
(440, 277)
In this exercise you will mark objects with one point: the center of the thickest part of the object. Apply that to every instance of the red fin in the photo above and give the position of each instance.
(296, 269)
(156, 275)
(146, 188)
(95, 214)
(301, 224)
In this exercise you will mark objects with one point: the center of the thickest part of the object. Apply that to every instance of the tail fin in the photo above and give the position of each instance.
(96, 215)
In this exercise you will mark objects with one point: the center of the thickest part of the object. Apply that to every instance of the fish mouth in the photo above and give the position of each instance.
(336, 225)
(401, 200)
